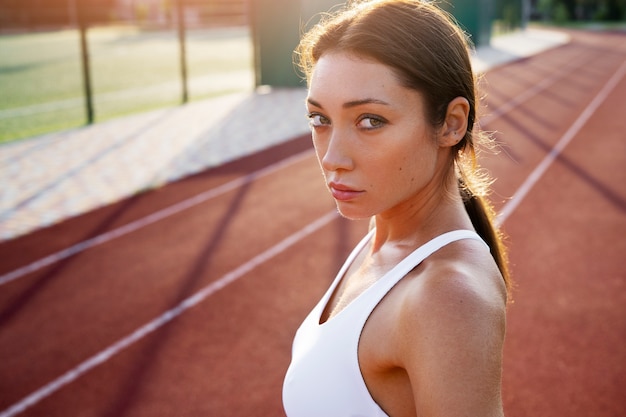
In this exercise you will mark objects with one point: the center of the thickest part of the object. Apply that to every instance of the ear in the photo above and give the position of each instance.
(455, 123)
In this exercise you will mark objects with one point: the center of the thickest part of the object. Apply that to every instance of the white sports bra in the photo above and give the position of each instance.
(324, 378)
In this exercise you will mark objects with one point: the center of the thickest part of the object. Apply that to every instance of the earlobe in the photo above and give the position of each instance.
(455, 124)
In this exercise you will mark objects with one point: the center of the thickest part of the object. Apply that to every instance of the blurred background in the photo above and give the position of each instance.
(67, 63)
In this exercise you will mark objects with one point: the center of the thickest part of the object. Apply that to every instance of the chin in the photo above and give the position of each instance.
(353, 213)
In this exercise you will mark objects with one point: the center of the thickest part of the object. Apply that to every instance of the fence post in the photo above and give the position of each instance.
(275, 28)
(180, 12)
(84, 52)
(526, 8)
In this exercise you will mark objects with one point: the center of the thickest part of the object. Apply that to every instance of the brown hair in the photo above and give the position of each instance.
(430, 54)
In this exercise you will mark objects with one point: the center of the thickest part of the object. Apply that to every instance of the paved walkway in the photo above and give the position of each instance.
(46, 179)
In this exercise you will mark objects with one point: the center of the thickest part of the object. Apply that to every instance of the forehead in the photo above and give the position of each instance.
(341, 77)
(343, 73)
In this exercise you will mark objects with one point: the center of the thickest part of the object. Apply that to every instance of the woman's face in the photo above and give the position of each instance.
(377, 151)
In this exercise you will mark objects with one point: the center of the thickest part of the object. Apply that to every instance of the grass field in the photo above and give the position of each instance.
(41, 86)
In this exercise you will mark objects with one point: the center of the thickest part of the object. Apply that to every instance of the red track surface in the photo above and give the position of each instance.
(226, 353)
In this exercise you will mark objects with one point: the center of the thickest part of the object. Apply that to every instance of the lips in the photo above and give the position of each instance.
(343, 192)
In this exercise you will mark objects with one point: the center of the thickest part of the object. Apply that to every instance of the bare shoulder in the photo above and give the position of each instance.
(458, 279)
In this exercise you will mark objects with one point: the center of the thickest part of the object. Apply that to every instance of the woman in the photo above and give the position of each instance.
(414, 323)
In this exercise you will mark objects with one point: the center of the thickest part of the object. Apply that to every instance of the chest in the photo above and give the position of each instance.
(364, 272)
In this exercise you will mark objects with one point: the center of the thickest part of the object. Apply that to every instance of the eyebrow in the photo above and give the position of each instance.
(352, 103)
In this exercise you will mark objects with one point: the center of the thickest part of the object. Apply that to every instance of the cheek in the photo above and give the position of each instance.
(320, 151)
(390, 174)
(411, 169)
(407, 172)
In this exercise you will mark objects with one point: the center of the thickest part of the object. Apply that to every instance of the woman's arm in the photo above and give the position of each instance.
(454, 330)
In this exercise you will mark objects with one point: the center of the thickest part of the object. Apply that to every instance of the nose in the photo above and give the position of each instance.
(336, 154)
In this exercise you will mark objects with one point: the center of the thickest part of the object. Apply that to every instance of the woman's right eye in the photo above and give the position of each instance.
(317, 120)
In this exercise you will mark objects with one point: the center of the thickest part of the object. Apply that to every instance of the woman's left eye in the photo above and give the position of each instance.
(371, 122)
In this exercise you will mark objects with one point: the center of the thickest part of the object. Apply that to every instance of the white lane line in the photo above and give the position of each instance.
(567, 137)
(166, 317)
(151, 218)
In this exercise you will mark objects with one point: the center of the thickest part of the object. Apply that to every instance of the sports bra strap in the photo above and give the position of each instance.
(432, 246)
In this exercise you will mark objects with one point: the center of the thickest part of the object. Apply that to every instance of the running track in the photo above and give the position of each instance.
(183, 301)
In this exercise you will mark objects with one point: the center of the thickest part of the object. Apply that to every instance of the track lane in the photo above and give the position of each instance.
(529, 131)
(557, 150)
(564, 352)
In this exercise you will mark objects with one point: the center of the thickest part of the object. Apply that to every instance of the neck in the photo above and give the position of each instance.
(424, 217)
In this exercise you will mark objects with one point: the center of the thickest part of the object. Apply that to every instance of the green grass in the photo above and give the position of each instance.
(41, 77)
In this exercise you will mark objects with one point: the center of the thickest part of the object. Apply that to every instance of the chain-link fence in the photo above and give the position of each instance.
(65, 63)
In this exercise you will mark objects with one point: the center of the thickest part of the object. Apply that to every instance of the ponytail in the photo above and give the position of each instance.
(483, 216)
